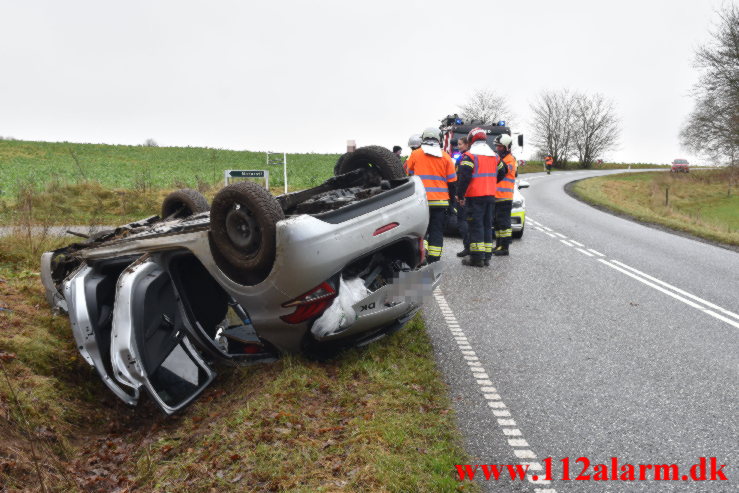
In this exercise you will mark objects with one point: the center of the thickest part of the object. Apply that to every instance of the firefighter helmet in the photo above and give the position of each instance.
(430, 133)
(415, 141)
(476, 134)
(504, 140)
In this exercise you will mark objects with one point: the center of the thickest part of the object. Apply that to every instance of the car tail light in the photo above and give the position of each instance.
(384, 229)
(311, 304)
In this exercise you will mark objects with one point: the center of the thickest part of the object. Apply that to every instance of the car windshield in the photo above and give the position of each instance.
(681, 161)
(490, 139)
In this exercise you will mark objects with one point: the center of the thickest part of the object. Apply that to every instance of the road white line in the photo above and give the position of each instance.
(560, 235)
(577, 243)
(550, 234)
(548, 229)
(596, 252)
(566, 242)
(678, 290)
(670, 293)
(584, 251)
(507, 424)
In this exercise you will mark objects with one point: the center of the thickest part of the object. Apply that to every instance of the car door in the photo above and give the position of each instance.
(150, 347)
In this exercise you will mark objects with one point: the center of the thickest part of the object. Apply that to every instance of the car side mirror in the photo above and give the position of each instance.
(523, 184)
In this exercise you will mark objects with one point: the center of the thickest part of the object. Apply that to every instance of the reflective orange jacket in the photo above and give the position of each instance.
(504, 191)
(548, 161)
(435, 172)
(484, 175)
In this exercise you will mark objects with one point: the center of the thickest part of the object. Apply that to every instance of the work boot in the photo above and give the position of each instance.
(463, 253)
(502, 250)
(486, 262)
(473, 262)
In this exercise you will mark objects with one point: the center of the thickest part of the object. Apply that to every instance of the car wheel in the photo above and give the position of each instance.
(378, 157)
(183, 203)
(341, 159)
(519, 234)
(243, 221)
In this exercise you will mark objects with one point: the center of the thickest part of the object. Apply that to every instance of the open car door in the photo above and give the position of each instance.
(149, 346)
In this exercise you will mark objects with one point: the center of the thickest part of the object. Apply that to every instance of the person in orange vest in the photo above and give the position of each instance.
(548, 162)
(504, 195)
(436, 169)
(478, 177)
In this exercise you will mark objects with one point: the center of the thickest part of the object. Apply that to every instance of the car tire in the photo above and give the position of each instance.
(341, 159)
(243, 226)
(518, 234)
(378, 157)
(183, 203)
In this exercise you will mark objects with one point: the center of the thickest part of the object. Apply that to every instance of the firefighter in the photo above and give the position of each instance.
(504, 195)
(462, 225)
(414, 142)
(548, 162)
(436, 169)
(478, 172)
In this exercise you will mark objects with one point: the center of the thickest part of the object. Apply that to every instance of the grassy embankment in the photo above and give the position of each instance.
(704, 203)
(538, 167)
(376, 419)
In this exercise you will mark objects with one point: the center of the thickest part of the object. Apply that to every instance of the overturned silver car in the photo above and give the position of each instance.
(157, 303)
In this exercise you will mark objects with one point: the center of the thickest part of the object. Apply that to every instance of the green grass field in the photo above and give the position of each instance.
(62, 183)
(138, 167)
(704, 203)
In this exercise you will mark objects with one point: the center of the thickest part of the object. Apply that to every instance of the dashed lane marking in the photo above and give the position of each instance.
(513, 434)
(560, 235)
(584, 251)
(577, 243)
(550, 234)
(566, 242)
(596, 252)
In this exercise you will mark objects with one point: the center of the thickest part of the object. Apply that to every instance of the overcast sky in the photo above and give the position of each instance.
(305, 76)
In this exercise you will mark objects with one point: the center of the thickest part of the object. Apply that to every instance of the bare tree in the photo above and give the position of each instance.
(712, 129)
(485, 107)
(596, 127)
(150, 143)
(553, 124)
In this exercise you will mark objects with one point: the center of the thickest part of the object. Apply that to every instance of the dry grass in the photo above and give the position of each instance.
(704, 203)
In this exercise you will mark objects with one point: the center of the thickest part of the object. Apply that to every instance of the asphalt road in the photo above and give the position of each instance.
(567, 349)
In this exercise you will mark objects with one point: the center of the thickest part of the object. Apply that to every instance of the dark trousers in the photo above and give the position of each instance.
(502, 222)
(462, 225)
(480, 212)
(435, 232)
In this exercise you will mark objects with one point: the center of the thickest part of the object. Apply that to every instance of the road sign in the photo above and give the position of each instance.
(246, 173)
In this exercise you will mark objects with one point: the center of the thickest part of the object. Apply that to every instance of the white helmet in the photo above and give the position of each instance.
(504, 140)
(415, 141)
(431, 133)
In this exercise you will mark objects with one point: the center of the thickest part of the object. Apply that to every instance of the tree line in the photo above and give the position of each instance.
(566, 124)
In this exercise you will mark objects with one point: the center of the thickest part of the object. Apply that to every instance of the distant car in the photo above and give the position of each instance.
(155, 303)
(518, 213)
(680, 166)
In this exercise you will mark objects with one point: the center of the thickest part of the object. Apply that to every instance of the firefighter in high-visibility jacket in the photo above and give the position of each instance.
(436, 169)
(548, 162)
(504, 196)
(478, 177)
